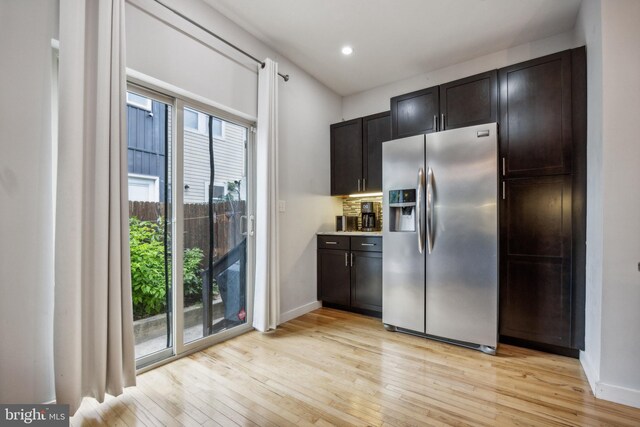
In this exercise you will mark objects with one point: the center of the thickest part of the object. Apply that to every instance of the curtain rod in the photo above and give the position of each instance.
(248, 55)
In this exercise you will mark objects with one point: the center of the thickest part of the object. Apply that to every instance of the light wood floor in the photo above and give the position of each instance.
(334, 368)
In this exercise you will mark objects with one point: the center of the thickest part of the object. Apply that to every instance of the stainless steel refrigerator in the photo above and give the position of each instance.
(440, 231)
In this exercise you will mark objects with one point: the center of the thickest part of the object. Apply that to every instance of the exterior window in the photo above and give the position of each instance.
(139, 101)
(218, 191)
(218, 129)
(194, 121)
(191, 121)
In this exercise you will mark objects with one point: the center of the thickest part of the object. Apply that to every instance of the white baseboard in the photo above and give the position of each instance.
(610, 392)
(587, 367)
(618, 394)
(297, 312)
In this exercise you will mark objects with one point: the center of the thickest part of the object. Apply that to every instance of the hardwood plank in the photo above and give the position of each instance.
(331, 367)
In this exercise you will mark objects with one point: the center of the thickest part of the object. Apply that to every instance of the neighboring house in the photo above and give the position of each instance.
(146, 148)
(146, 153)
(229, 157)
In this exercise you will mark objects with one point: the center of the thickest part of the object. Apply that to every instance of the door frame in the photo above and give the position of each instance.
(178, 297)
(178, 98)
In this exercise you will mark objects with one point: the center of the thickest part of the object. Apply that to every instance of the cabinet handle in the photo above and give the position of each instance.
(330, 243)
(504, 193)
(358, 184)
(346, 259)
(364, 184)
(351, 259)
(435, 123)
(442, 122)
(504, 167)
(367, 244)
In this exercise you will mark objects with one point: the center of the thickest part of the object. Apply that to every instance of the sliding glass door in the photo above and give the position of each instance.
(149, 152)
(215, 220)
(190, 223)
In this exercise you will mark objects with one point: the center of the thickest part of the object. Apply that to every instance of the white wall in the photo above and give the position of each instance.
(589, 33)
(377, 99)
(26, 232)
(613, 360)
(200, 64)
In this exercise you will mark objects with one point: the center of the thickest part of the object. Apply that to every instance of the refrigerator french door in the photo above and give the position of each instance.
(440, 265)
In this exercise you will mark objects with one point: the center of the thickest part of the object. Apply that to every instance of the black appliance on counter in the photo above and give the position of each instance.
(368, 210)
(346, 223)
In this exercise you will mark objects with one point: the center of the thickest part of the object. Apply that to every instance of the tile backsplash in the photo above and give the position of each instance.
(351, 207)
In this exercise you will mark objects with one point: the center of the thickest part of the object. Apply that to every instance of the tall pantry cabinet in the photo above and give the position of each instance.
(542, 119)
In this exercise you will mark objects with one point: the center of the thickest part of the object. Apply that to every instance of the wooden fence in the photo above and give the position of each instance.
(227, 224)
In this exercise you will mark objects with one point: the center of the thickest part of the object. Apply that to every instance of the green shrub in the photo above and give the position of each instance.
(147, 268)
(192, 280)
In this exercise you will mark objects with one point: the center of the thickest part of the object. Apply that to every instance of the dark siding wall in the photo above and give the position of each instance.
(146, 135)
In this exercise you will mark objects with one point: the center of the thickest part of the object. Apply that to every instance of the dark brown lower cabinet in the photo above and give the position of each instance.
(536, 283)
(335, 272)
(366, 280)
(351, 279)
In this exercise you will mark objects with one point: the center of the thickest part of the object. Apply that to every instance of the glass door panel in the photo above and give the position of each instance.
(150, 219)
(214, 267)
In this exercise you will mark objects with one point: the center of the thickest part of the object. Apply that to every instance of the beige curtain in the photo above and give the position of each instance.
(266, 306)
(93, 320)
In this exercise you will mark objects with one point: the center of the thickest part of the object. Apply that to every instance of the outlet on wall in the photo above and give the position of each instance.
(282, 205)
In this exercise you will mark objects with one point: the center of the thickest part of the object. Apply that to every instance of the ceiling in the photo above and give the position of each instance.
(393, 39)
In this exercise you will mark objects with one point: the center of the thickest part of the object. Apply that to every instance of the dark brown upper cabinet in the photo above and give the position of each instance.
(376, 129)
(469, 101)
(346, 157)
(356, 154)
(535, 116)
(415, 113)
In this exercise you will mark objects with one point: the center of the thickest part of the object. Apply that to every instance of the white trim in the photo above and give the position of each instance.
(587, 367)
(297, 312)
(178, 229)
(222, 336)
(174, 91)
(604, 391)
(618, 394)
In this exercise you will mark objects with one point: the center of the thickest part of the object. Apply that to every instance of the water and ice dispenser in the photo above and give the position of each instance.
(402, 210)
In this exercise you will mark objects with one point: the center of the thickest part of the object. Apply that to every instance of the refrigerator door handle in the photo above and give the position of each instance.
(430, 210)
(419, 210)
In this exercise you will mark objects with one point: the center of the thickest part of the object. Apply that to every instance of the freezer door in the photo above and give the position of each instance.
(462, 226)
(402, 260)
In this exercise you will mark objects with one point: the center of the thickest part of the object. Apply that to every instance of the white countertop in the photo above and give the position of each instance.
(350, 233)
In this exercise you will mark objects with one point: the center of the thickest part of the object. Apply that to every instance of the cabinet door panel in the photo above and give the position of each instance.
(536, 221)
(535, 287)
(376, 130)
(535, 122)
(537, 301)
(413, 113)
(366, 280)
(334, 277)
(470, 101)
(346, 157)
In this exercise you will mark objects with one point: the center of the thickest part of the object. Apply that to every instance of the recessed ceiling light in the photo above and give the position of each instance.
(347, 50)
